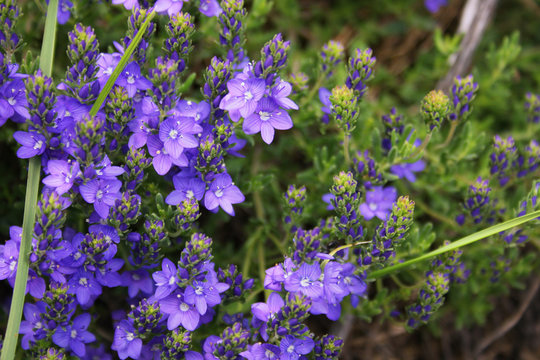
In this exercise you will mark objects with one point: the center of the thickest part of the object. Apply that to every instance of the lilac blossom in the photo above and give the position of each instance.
(264, 311)
(204, 294)
(101, 193)
(13, 101)
(324, 97)
(188, 108)
(210, 8)
(223, 193)
(165, 279)
(33, 327)
(293, 348)
(180, 312)
(146, 119)
(9, 258)
(279, 94)
(434, 5)
(128, 4)
(132, 80)
(32, 144)
(178, 133)
(171, 7)
(126, 342)
(306, 280)
(138, 280)
(243, 96)
(62, 175)
(162, 160)
(407, 170)
(267, 117)
(84, 286)
(261, 351)
(64, 11)
(106, 63)
(73, 337)
(186, 188)
(379, 202)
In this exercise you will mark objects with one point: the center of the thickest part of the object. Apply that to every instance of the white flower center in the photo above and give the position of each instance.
(38, 144)
(99, 194)
(130, 80)
(305, 282)
(83, 281)
(199, 290)
(13, 265)
(184, 307)
(373, 206)
(290, 349)
(130, 336)
(73, 334)
(219, 193)
(189, 194)
(248, 95)
(12, 101)
(173, 134)
(135, 277)
(172, 280)
(264, 115)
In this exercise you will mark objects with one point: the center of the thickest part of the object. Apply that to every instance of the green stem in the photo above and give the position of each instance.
(467, 240)
(30, 203)
(451, 133)
(421, 147)
(346, 150)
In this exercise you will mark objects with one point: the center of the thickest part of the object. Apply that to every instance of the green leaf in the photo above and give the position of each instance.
(121, 65)
(467, 240)
(30, 203)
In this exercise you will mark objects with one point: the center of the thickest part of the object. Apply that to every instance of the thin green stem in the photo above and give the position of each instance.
(30, 203)
(422, 146)
(450, 136)
(467, 240)
(346, 150)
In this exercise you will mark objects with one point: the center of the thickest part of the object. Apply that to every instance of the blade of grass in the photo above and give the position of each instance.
(30, 203)
(467, 240)
(121, 65)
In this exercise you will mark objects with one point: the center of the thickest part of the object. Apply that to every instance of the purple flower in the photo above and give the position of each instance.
(132, 79)
(264, 311)
(178, 133)
(267, 117)
(13, 101)
(172, 7)
(73, 337)
(32, 144)
(243, 96)
(162, 160)
(101, 193)
(407, 170)
(198, 111)
(128, 4)
(9, 258)
(204, 295)
(84, 286)
(186, 188)
(210, 8)
(107, 63)
(126, 341)
(165, 279)
(324, 97)
(223, 193)
(306, 280)
(62, 174)
(64, 11)
(279, 94)
(379, 202)
(180, 312)
(434, 5)
(137, 280)
(292, 348)
(261, 351)
(33, 327)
